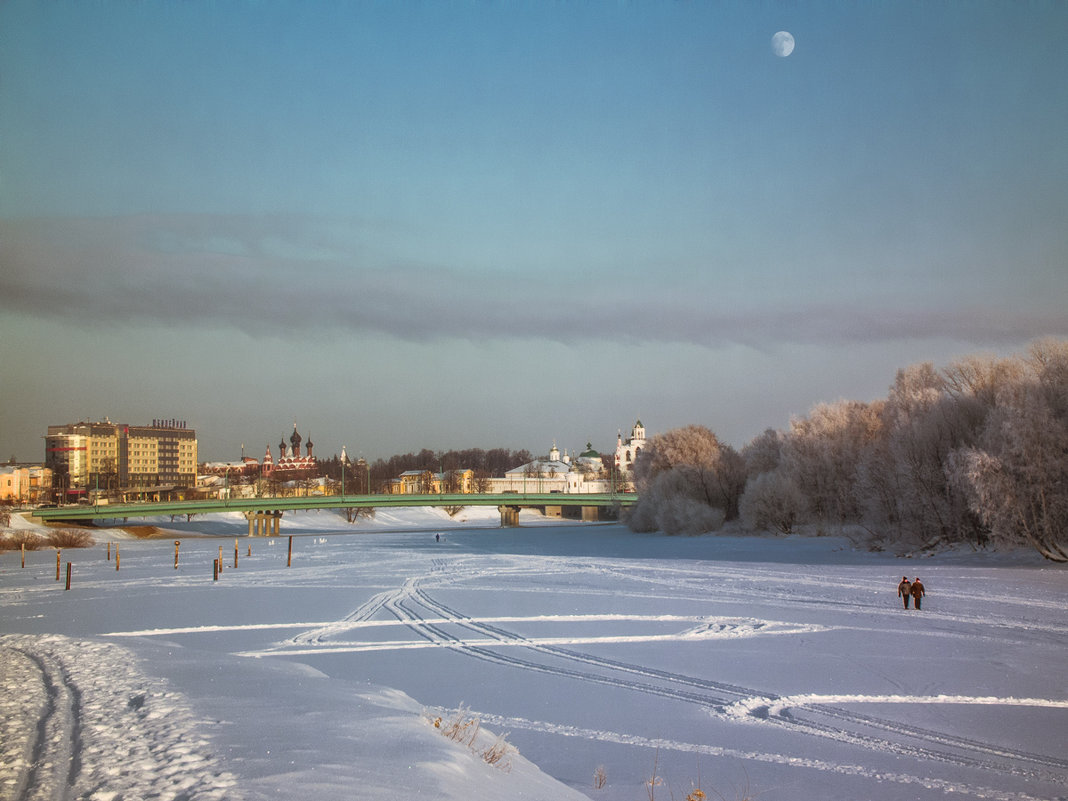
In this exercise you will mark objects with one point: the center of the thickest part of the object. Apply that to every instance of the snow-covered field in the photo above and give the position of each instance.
(777, 669)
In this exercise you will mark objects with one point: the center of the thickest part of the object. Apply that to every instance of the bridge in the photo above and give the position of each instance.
(264, 514)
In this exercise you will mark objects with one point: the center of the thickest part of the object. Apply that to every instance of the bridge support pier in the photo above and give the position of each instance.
(263, 524)
(591, 514)
(509, 516)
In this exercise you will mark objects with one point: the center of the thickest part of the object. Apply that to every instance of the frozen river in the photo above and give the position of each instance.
(777, 668)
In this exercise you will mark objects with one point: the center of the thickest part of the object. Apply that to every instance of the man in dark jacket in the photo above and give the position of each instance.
(917, 591)
(904, 589)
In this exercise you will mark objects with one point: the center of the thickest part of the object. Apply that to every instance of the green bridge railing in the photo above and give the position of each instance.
(292, 503)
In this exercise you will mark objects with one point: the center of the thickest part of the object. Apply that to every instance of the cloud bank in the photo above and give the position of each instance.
(301, 276)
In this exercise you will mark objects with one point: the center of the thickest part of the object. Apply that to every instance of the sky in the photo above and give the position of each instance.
(507, 224)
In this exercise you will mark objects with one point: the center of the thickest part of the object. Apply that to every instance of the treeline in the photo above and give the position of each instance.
(975, 452)
(489, 463)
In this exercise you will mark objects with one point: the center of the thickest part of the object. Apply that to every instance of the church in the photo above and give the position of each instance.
(584, 473)
(290, 461)
(627, 450)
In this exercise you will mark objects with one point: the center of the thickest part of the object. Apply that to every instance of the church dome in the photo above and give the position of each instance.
(589, 453)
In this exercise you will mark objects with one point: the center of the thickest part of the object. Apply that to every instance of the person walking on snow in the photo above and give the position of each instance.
(917, 591)
(904, 589)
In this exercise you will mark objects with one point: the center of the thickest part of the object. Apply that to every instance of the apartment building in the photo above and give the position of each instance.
(90, 458)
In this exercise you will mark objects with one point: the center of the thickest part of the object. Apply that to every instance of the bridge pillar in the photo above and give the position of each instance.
(263, 524)
(509, 516)
(591, 514)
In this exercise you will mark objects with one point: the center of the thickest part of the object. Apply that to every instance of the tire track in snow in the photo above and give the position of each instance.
(977, 754)
(404, 605)
(843, 769)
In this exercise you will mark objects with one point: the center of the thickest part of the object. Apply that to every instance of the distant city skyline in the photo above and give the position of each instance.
(451, 225)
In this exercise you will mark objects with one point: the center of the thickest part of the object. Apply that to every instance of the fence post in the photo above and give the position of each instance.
(214, 569)
(289, 559)
(116, 556)
(68, 577)
(24, 554)
(109, 550)
(235, 551)
(176, 544)
(58, 552)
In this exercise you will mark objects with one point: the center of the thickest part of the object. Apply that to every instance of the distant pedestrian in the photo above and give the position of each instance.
(904, 589)
(437, 537)
(917, 591)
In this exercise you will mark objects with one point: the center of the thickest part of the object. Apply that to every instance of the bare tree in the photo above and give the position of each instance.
(426, 482)
(481, 481)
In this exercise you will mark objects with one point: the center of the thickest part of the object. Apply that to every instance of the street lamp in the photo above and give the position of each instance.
(344, 459)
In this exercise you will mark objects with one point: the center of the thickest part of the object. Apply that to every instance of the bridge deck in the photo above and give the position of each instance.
(153, 509)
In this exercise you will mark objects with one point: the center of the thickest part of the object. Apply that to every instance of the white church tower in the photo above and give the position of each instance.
(627, 450)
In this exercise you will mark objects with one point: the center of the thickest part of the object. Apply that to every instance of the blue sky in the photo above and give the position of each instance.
(482, 224)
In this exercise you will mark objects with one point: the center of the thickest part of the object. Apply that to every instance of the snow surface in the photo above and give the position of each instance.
(779, 668)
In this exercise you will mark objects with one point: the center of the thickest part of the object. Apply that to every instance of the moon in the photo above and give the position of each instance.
(782, 44)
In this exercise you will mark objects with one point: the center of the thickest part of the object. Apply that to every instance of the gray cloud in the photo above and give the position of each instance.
(271, 275)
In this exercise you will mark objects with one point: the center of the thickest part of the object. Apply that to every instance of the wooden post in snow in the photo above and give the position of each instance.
(289, 559)
(68, 577)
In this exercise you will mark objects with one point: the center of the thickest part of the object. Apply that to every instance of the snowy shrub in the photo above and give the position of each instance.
(600, 778)
(772, 501)
(463, 728)
(71, 538)
(676, 502)
(688, 516)
(17, 540)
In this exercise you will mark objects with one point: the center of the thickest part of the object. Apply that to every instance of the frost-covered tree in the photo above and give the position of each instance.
(763, 453)
(928, 415)
(1016, 478)
(688, 482)
(822, 453)
(772, 501)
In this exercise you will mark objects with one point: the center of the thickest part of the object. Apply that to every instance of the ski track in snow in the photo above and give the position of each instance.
(823, 716)
(79, 721)
(51, 742)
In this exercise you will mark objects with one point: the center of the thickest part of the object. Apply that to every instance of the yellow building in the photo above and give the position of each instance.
(25, 484)
(104, 457)
(425, 482)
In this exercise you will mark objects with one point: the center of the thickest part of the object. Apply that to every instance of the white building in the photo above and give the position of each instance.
(557, 473)
(627, 450)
